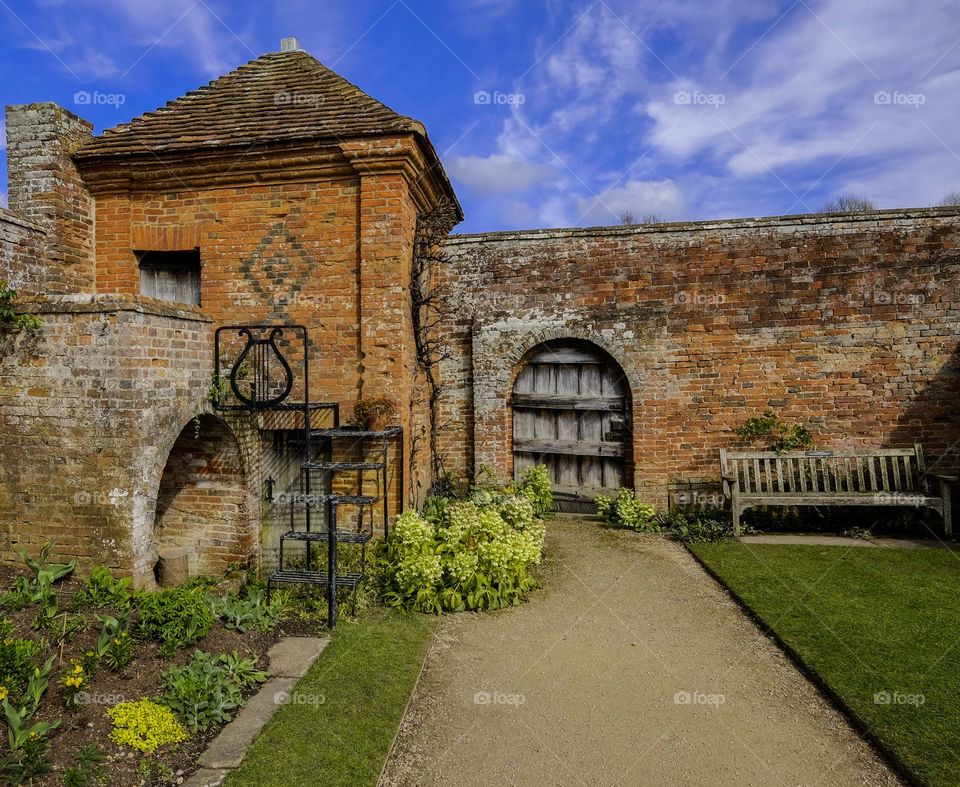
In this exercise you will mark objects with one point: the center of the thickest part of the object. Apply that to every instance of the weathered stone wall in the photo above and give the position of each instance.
(46, 189)
(91, 406)
(21, 249)
(849, 324)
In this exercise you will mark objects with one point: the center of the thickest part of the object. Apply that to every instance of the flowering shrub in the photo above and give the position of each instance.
(627, 511)
(145, 725)
(74, 680)
(465, 554)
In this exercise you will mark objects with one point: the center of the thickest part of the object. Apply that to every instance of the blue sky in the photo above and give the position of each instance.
(566, 112)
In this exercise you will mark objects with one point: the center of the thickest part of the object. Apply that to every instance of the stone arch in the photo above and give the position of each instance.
(498, 354)
(199, 493)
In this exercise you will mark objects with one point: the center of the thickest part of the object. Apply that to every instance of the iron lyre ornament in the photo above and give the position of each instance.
(258, 351)
(260, 376)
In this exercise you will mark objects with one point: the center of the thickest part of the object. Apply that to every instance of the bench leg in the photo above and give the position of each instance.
(735, 510)
(947, 518)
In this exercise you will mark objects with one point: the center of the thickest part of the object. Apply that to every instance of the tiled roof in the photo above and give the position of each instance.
(280, 96)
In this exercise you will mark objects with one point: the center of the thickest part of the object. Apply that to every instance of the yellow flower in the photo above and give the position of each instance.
(117, 641)
(3, 693)
(78, 669)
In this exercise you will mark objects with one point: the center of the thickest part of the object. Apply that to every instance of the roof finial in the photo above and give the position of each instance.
(289, 44)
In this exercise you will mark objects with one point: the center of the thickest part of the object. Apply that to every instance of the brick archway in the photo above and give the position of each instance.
(499, 351)
(200, 493)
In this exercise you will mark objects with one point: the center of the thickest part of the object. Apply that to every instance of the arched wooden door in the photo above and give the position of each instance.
(571, 412)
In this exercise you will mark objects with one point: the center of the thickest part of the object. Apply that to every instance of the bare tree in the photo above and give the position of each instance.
(652, 218)
(849, 203)
(952, 200)
(628, 217)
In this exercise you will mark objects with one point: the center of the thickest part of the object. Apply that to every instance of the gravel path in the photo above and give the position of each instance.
(629, 667)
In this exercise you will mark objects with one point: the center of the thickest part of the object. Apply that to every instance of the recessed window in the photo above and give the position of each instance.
(170, 275)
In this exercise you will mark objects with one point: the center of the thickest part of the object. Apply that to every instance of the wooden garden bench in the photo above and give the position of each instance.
(882, 477)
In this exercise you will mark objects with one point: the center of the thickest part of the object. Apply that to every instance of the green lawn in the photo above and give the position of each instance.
(359, 688)
(876, 625)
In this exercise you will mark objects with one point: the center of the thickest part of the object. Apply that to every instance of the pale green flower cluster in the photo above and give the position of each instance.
(474, 547)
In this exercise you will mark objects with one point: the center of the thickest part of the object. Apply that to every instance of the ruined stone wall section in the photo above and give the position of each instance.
(21, 250)
(847, 324)
(46, 189)
(90, 406)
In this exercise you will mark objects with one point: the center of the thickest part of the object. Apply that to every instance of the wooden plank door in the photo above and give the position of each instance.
(571, 406)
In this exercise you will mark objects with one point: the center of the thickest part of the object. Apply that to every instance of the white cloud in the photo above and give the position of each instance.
(499, 172)
(639, 197)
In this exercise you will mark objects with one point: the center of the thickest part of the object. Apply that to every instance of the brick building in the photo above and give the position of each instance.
(280, 193)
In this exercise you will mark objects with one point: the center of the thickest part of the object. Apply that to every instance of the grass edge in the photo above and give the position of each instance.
(825, 689)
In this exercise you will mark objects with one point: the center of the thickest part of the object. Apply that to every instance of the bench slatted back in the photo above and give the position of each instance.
(881, 470)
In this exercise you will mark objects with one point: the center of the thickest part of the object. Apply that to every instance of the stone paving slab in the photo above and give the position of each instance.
(229, 747)
(206, 777)
(292, 657)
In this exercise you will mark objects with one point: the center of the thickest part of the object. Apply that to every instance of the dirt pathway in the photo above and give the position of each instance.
(629, 667)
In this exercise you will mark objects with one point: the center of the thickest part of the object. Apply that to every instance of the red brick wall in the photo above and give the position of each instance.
(202, 504)
(847, 324)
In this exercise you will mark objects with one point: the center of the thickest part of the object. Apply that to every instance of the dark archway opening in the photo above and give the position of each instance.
(202, 504)
(572, 412)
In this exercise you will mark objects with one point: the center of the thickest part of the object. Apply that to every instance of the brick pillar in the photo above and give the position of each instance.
(387, 227)
(46, 188)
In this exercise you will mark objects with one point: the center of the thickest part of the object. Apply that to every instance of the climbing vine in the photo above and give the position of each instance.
(430, 307)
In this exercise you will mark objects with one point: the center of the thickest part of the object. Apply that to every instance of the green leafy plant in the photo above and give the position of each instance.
(40, 590)
(242, 614)
(696, 529)
(205, 691)
(103, 591)
(860, 533)
(16, 665)
(9, 316)
(87, 769)
(28, 743)
(145, 725)
(175, 616)
(114, 645)
(628, 512)
(463, 555)
(535, 485)
(73, 682)
(775, 432)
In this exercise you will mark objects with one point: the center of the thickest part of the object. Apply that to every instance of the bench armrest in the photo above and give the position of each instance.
(950, 479)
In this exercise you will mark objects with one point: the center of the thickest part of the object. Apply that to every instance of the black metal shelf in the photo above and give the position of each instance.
(342, 536)
(262, 381)
(314, 465)
(315, 578)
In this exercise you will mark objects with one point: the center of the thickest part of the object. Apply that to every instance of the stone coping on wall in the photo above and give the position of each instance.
(10, 217)
(878, 217)
(98, 304)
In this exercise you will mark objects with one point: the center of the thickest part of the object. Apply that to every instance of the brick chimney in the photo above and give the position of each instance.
(46, 188)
